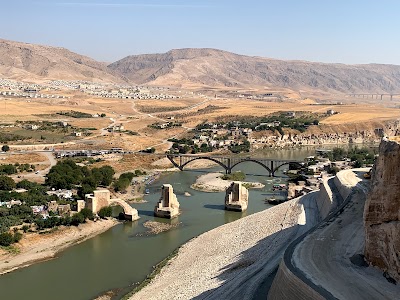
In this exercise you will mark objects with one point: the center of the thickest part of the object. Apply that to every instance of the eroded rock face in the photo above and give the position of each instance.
(236, 197)
(382, 211)
(168, 205)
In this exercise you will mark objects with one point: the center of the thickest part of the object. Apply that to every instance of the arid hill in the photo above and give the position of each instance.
(23, 61)
(224, 69)
(197, 68)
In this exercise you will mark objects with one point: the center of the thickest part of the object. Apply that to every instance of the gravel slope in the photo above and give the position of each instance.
(232, 260)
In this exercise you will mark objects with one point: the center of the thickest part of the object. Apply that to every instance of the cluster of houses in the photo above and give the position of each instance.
(113, 91)
(19, 86)
(87, 153)
(31, 94)
(219, 136)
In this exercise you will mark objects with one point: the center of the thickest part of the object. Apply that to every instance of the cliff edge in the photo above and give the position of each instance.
(382, 211)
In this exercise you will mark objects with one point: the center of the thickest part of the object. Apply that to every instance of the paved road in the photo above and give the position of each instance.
(255, 282)
(324, 255)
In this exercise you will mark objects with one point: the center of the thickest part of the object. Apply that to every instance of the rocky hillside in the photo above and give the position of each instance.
(35, 62)
(381, 215)
(219, 68)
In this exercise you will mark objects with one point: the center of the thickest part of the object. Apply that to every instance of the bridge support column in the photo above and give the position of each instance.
(272, 173)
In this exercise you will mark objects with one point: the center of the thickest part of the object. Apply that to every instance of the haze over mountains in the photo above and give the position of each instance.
(197, 67)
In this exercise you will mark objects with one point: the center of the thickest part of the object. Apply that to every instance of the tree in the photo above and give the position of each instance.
(5, 148)
(77, 219)
(6, 239)
(85, 189)
(121, 184)
(105, 212)
(6, 183)
(87, 213)
(108, 173)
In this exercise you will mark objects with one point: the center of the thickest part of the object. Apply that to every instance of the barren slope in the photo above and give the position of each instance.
(219, 68)
(23, 61)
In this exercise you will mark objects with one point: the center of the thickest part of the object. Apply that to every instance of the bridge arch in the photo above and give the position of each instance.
(254, 161)
(208, 158)
(286, 163)
(129, 212)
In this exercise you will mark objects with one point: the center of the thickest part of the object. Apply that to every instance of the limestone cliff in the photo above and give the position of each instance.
(382, 211)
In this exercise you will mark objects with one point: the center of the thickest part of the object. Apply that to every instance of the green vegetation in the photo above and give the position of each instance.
(6, 183)
(165, 125)
(5, 148)
(75, 114)
(67, 174)
(238, 148)
(280, 120)
(14, 169)
(8, 137)
(235, 176)
(105, 212)
(358, 156)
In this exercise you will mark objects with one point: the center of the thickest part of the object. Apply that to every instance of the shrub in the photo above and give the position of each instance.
(77, 219)
(6, 239)
(87, 213)
(17, 237)
(105, 212)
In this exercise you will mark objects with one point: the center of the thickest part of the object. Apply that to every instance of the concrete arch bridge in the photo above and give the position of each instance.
(228, 163)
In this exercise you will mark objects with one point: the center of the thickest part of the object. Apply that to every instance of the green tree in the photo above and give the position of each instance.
(105, 212)
(87, 213)
(17, 237)
(108, 173)
(121, 184)
(6, 239)
(77, 219)
(6, 183)
(5, 148)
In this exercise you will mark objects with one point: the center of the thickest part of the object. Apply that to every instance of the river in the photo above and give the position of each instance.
(125, 254)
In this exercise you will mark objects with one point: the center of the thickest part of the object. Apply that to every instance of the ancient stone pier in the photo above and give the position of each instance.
(102, 198)
(236, 197)
(168, 205)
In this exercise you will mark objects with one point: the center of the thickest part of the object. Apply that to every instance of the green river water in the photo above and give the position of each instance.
(124, 255)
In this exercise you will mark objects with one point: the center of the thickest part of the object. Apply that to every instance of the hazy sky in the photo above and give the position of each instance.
(351, 31)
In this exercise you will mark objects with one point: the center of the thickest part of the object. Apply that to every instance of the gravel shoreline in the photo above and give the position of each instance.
(212, 182)
(208, 264)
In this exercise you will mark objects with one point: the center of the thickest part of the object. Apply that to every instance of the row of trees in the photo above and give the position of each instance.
(67, 174)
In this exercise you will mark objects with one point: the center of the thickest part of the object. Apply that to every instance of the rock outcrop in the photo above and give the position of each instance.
(382, 211)
(168, 206)
(236, 197)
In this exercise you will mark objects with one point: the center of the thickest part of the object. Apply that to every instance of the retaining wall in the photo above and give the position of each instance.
(286, 284)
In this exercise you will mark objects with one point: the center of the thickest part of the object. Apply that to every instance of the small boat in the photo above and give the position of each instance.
(147, 191)
(274, 201)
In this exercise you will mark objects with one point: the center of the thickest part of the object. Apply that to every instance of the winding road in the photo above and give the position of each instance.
(324, 255)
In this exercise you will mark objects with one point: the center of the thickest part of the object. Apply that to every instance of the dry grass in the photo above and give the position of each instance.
(28, 158)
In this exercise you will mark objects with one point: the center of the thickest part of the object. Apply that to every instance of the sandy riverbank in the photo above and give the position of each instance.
(36, 247)
(212, 182)
(218, 262)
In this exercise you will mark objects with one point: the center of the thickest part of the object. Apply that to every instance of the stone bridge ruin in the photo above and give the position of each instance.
(102, 198)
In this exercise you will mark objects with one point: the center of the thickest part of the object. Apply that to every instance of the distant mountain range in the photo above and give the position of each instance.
(197, 67)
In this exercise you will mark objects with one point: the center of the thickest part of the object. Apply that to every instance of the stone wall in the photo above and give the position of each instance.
(382, 211)
(324, 199)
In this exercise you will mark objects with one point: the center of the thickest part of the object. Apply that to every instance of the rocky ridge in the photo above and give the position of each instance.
(211, 67)
(382, 212)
